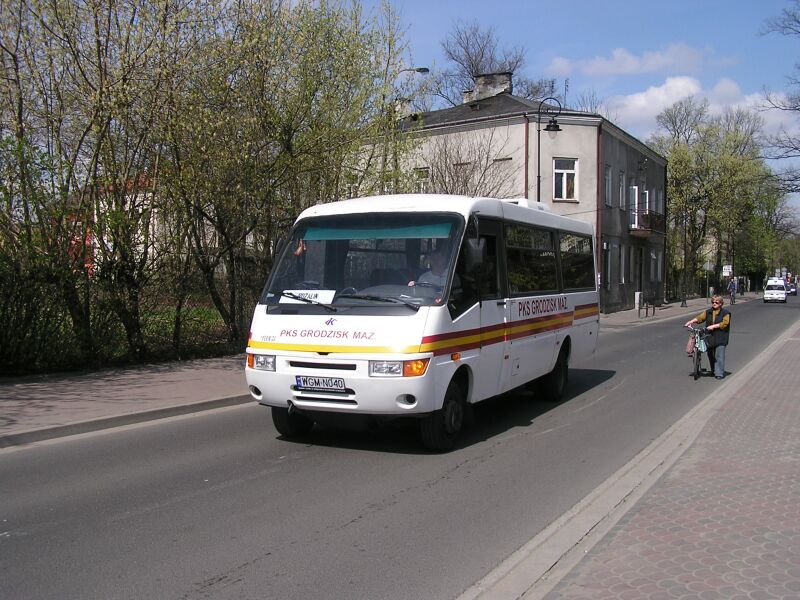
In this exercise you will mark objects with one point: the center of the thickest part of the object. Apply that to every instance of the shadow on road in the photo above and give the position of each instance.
(490, 418)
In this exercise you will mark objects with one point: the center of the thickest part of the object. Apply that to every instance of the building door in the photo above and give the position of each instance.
(638, 269)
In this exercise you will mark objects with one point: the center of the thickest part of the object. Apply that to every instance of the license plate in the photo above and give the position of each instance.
(320, 384)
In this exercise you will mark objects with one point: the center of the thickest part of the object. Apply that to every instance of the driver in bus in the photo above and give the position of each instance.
(436, 275)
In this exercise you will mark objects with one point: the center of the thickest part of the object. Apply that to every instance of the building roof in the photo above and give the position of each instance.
(506, 105)
(498, 106)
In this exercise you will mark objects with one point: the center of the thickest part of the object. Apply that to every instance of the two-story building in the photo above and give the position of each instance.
(576, 163)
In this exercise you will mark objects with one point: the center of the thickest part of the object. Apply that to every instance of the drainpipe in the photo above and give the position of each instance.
(527, 123)
(599, 203)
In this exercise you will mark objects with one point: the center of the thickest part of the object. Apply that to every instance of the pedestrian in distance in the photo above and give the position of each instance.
(717, 321)
(732, 289)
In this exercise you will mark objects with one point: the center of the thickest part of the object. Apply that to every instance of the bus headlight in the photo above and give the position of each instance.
(262, 362)
(398, 368)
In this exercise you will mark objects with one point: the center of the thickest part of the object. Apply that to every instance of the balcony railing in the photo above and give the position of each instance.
(644, 222)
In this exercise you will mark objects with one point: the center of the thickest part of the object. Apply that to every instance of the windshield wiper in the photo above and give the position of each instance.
(391, 299)
(327, 307)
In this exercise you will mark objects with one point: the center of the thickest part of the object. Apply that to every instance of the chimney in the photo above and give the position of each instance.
(489, 84)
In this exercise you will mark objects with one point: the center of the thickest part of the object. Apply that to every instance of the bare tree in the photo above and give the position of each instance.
(785, 143)
(684, 120)
(473, 49)
(470, 164)
(589, 101)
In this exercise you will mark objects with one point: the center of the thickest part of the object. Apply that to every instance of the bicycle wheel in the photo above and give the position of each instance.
(696, 364)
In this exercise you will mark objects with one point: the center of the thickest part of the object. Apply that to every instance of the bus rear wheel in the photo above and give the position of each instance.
(441, 428)
(291, 424)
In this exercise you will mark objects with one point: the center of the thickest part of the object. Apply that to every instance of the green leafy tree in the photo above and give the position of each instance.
(717, 182)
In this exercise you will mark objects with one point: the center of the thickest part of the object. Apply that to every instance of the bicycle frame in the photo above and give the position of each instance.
(699, 348)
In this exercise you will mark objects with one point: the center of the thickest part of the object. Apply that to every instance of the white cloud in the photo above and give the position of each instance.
(636, 113)
(725, 91)
(561, 67)
(677, 57)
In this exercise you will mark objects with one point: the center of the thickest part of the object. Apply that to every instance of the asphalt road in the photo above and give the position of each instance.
(215, 505)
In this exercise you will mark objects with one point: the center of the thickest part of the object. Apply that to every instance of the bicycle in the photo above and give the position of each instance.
(699, 348)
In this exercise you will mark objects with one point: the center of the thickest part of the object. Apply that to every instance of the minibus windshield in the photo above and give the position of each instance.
(374, 259)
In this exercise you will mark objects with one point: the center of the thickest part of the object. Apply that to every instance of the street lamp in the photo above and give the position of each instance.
(552, 125)
(415, 70)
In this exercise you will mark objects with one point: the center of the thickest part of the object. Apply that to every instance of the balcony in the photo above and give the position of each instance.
(643, 223)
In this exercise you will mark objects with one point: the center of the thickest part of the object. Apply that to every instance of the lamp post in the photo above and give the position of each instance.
(552, 125)
(394, 125)
(683, 285)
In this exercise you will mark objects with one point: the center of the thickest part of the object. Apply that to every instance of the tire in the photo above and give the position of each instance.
(553, 385)
(696, 364)
(440, 429)
(291, 424)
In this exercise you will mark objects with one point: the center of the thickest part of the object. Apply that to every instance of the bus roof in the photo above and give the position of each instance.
(515, 209)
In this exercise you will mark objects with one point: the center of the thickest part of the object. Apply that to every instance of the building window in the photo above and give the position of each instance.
(608, 185)
(421, 179)
(633, 205)
(622, 203)
(564, 178)
(622, 252)
(606, 266)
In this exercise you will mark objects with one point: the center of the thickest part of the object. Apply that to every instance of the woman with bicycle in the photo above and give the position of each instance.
(717, 322)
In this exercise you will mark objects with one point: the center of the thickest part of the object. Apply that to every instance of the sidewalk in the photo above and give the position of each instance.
(50, 406)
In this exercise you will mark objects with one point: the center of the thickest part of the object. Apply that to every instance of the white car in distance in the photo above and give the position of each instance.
(775, 291)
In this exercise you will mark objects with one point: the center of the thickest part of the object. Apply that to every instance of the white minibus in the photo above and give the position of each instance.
(418, 305)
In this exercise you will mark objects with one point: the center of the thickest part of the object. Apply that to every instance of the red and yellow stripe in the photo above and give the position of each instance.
(456, 341)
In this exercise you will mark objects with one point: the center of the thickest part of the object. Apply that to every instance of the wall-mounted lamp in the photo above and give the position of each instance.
(552, 126)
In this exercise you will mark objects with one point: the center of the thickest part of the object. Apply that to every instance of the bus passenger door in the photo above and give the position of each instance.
(493, 362)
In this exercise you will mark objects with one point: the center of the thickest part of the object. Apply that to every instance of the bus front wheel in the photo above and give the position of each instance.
(290, 424)
(441, 428)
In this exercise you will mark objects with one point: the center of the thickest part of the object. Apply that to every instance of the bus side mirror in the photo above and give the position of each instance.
(476, 253)
(472, 227)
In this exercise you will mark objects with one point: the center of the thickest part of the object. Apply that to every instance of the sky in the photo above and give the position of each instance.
(637, 56)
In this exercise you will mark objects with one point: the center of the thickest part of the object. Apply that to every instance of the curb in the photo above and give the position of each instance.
(47, 433)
